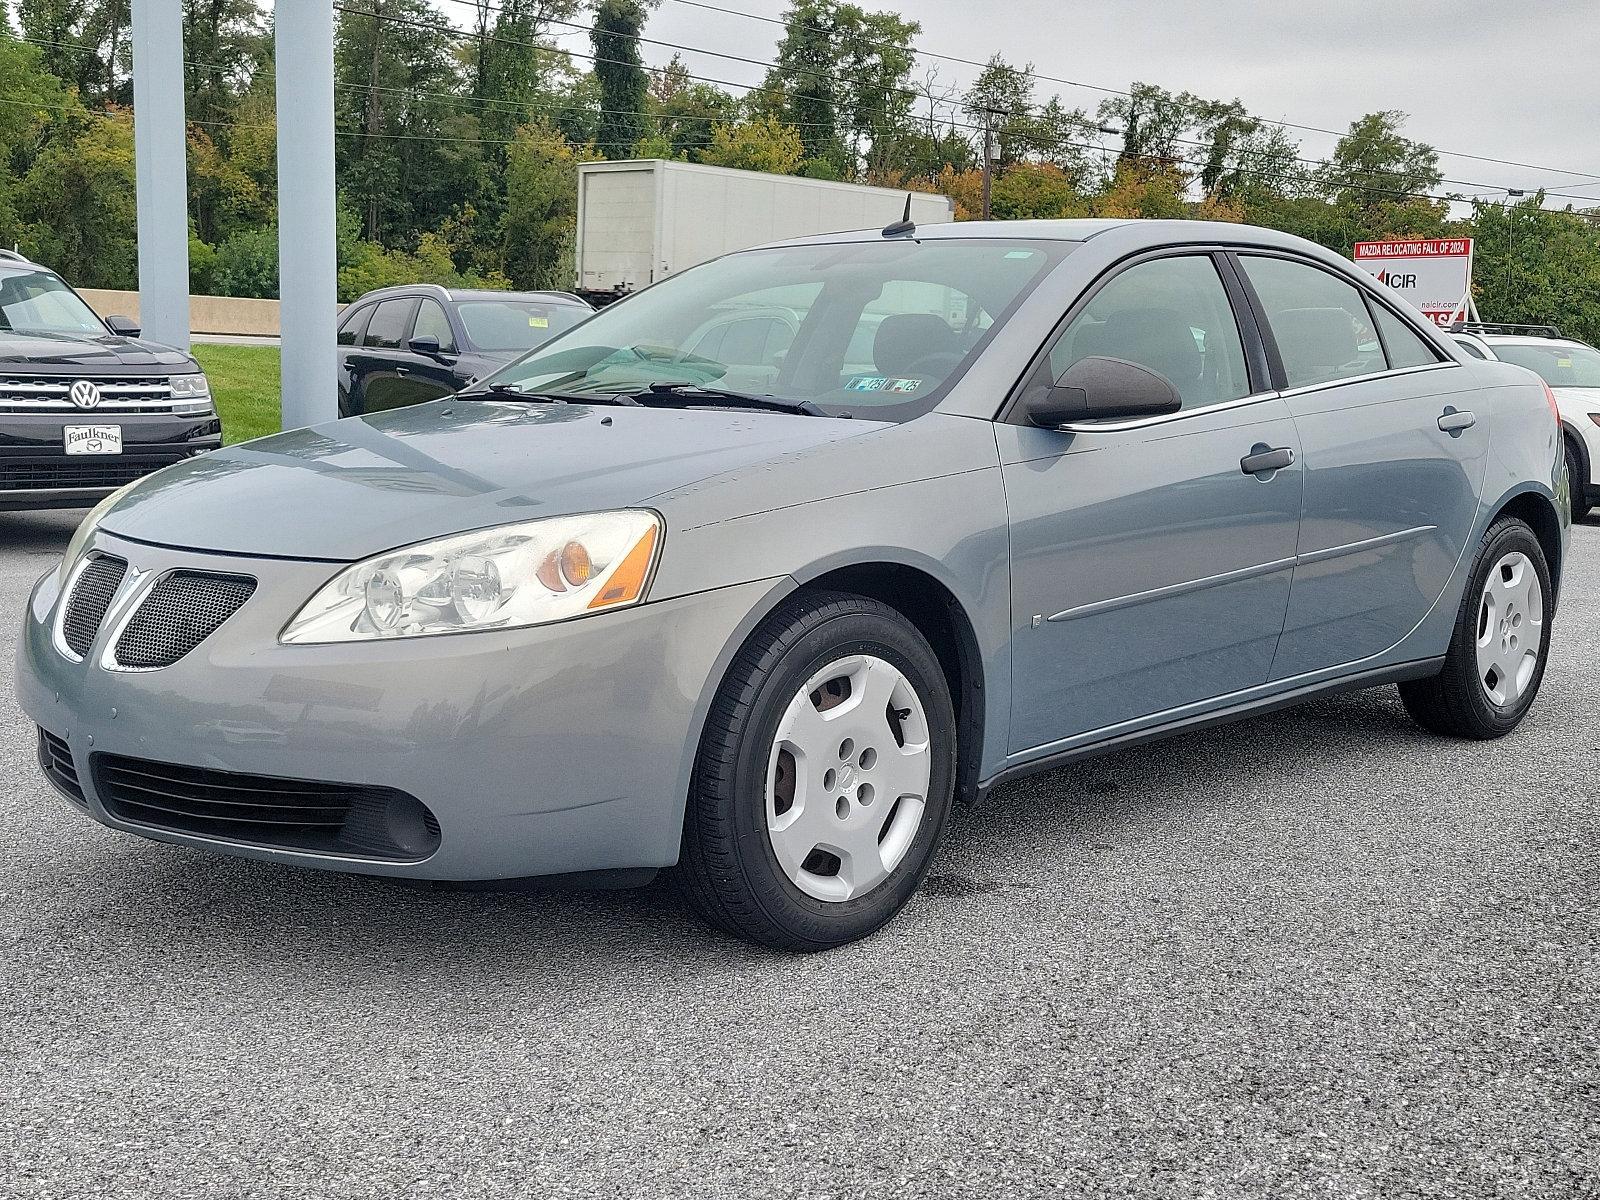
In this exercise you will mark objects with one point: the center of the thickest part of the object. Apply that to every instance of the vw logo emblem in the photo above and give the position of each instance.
(84, 394)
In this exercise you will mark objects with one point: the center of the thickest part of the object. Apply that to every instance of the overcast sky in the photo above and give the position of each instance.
(1513, 80)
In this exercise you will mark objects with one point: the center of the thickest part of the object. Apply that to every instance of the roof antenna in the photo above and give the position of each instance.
(904, 225)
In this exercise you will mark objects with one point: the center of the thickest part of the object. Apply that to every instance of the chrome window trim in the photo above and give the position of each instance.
(1243, 401)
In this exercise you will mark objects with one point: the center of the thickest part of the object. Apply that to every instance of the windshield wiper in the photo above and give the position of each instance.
(662, 391)
(510, 391)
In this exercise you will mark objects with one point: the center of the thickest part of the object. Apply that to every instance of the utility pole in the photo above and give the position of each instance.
(307, 251)
(1511, 234)
(374, 114)
(988, 157)
(161, 188)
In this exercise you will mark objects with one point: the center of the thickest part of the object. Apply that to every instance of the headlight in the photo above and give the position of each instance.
(190, 393)
(502, 578)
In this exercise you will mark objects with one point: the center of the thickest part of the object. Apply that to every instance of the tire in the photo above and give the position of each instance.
(750, 816)
(1577, 482)
(1468, 699)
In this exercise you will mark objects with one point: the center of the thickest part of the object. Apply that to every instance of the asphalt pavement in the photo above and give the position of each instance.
(1315, 954)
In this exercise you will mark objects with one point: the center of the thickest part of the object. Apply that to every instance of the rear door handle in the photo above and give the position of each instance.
(1264, 460)
(1454, 422)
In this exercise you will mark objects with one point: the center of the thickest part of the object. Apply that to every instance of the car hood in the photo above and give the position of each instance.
(1583, 399)
(51, 353)
(356, 487)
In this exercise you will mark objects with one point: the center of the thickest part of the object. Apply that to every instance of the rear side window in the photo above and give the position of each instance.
(387, 328)
(1472, 351)
(1321, 323)
(351, 328)
(1404, 345)
(1170, 315)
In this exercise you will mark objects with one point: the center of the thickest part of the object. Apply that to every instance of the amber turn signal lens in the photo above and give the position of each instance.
(576, 567)
(627, 581)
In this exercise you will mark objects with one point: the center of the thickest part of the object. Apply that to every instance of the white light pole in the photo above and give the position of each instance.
(307, 268)
(160, 170)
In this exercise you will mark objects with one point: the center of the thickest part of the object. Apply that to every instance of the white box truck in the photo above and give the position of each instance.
(639, 220)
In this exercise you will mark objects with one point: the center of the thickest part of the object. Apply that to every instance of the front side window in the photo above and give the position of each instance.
(1565, 366)
(1171, 316)
(1320, 322)
(354, 323)
(38, 302)
(877, 327)
(432, 322)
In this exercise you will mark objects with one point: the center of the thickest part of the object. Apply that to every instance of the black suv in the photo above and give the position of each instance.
(85, 406)
(404, 345)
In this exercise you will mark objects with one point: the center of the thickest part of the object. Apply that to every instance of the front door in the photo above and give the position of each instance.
(1150, 572)
(1394, 455)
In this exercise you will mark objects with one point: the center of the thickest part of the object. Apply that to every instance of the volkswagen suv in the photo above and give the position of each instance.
(85, 405)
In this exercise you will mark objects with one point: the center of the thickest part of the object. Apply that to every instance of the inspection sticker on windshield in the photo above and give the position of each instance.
(881, 383)
(93, 439)
(539, 322)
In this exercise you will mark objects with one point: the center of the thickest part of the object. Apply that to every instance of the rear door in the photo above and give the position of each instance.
(1395, 448)
(1149, 571)
(383, 361)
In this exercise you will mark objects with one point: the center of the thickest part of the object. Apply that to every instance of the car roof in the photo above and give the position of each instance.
(1142, 231)
(441, 292)
(1515, 339)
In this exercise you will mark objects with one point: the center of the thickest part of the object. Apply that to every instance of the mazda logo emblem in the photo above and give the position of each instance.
(84, 394)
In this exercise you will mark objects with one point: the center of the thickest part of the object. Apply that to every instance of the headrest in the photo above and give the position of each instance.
(905, 339)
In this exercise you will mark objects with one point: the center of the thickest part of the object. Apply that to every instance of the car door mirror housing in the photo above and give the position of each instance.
(1097, 389)
(427, 344)
(123, 326)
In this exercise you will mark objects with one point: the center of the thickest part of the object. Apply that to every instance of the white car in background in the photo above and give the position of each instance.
(1572, 369)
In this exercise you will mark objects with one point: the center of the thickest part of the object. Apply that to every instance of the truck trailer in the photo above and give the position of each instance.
(639, 220)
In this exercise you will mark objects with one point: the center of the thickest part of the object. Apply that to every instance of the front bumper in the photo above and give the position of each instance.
(36, 471)
(542, 751)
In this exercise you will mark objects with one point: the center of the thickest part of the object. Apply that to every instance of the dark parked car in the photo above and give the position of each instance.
(404, 345)
(85, 406)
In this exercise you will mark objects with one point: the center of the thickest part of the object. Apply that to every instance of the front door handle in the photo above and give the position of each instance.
(1263, 461)
(1454, 423)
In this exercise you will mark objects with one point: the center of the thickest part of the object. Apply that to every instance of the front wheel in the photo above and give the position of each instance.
(824, 778)
(1496, 659)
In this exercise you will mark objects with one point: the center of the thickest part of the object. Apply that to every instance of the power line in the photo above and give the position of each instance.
(1032, 74)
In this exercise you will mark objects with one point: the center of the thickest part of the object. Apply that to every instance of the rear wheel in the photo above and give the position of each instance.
(1577, 481)
(1496, 659)
(824, 777)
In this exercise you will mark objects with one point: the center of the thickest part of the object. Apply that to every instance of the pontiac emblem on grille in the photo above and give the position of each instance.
(84, 394)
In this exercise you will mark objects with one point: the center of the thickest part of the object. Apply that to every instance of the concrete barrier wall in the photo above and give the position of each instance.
(207, 314)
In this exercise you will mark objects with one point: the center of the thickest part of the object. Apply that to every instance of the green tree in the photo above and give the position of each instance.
(761, 144)
(537, 227)
(686, 111)
(624, 83)
(75, 204)
(224, 45)
(1153, 122)
(1374, 162)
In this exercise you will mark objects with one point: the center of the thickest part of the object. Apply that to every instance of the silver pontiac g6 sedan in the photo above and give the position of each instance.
(755, 573)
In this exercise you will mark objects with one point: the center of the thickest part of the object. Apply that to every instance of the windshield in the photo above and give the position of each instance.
(38, 302)
(1558, 365)
(517, 324)
(869, 328)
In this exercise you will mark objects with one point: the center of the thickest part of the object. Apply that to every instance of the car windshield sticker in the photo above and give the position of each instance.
(539, 321)
(881, 383)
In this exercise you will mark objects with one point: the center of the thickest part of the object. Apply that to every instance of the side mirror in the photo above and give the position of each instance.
(123, 326)
(428, 345)
(1101, 389)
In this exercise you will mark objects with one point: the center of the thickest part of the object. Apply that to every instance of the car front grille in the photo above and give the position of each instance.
(53, 393)
(55, 757)
(181, 611)
(289, 814)
(69, 473)
(91, 595)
